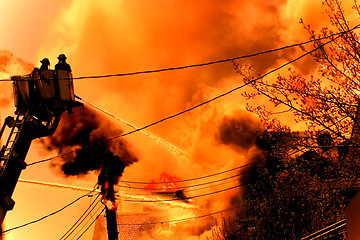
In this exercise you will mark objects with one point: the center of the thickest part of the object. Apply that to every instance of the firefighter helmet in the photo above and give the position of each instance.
(62, 57)
(45, 61)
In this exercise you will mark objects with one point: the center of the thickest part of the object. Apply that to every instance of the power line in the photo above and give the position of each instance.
(216, 61)
(51, 214)
(200, 104)
(81, 218)
(185, 187)
(142, 188)
(177, 220)
(179, 188)
(89, 219)
(91, 224)
(210, 62)
(176, 188)
(185, 198)
(219, 96)
(193, 179)
(211, 186)
(326, 230)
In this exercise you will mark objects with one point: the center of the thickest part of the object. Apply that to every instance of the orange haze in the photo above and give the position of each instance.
(109, 37)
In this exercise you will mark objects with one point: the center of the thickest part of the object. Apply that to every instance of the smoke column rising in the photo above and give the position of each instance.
(86, 132)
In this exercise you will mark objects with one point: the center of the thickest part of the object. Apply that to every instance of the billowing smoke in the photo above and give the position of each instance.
(10, 65)
(239, 131)
(87, 133)
(124, 36)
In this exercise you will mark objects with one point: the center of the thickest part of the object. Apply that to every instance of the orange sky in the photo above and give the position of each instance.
(109, 37)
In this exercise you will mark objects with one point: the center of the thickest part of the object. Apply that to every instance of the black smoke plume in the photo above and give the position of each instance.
(241, 132)
(87, 134)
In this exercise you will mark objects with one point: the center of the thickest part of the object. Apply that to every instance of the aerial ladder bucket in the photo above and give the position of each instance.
(40, 99)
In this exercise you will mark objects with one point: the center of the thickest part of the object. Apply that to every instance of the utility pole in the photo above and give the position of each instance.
(106, 180)
(110, 212)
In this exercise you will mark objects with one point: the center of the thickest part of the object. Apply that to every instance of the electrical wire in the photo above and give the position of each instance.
(186, 187)
(211, 62)
(211, 186)
(91, 224)
(325, 230)
(194, 107)
(51, 214)
(193, 179)
(81, 218)
(177, 220)
(185, 198)
(85, 224)
(183, 189)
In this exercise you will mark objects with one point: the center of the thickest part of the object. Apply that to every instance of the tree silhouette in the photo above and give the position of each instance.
(304, 184)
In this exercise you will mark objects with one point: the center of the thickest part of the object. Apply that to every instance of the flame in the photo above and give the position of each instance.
(167, 183)
(110, 204)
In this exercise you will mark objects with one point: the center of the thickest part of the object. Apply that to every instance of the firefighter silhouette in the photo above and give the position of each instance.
(62, 64)
(45, 63)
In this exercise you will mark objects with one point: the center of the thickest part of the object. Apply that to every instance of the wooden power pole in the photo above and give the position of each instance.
(111, 221)
(107, 180)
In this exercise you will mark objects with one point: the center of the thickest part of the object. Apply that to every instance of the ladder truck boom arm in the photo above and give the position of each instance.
(40, 99)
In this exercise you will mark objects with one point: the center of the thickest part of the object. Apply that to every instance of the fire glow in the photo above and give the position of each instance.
(167, 184)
